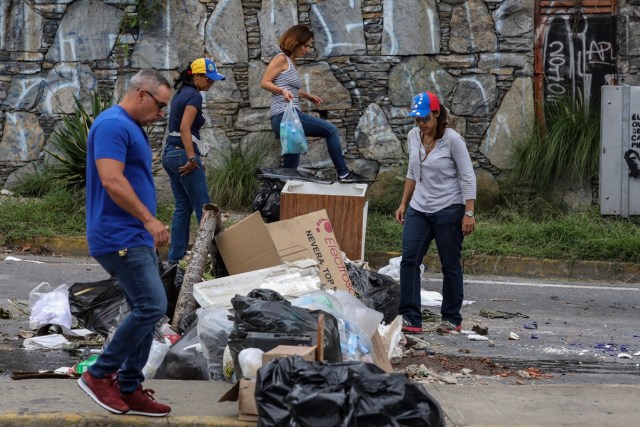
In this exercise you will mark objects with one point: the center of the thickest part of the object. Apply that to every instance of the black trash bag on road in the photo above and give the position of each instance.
(378, 288)
(294, 392)
(272, 180)
(183, 361)
(265, 310)
(96, 304)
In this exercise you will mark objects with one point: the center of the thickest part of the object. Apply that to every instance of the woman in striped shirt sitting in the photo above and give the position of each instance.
(282, 79)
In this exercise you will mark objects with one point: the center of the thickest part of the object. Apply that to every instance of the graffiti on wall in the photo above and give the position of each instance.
(578, 56)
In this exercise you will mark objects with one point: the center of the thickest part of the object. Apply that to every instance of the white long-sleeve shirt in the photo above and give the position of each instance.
(445, 177)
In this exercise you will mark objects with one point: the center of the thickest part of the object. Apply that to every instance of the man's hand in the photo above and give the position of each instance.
(159, 231)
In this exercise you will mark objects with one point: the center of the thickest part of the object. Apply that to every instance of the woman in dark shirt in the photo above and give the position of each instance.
(181, 156)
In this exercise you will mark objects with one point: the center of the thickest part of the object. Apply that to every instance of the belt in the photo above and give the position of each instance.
(193, 138)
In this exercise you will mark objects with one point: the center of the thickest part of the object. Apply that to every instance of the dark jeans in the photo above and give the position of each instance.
(190, 194)
(419, 230)
(128, 351)
(314, 126)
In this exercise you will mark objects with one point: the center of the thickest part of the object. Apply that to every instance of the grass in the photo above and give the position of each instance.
(557, 235)
(566, 236)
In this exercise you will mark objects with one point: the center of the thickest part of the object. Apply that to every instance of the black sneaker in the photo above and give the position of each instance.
(353, 177)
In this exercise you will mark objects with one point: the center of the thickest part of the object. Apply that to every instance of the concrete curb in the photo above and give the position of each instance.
(65, 419)
(473, 264)
(484, 265)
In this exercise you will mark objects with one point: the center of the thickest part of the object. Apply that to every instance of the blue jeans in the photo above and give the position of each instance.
(138, 277)
(314, 126)
(419, 230)
(190, 194)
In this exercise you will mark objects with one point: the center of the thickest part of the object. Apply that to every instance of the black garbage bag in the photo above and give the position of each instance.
(183, 361)
(381, 289)
(272, 180)
(171, 288)
(294, 392)
(96, 304)
(265, 310)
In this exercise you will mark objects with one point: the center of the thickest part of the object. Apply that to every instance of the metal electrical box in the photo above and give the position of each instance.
(620, 151)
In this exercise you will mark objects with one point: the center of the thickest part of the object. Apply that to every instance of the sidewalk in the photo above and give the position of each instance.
(60, 402)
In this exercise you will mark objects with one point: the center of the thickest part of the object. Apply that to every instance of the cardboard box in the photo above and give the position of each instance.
(346, 206)
(244, 392)
(251, 245)
(307, 353)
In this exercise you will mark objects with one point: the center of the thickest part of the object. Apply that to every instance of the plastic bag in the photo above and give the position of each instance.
(355, 341)
(380, 289)
(156, 355)
(213, 329)
(272, 180)
(49, 306)
(292, 136)
(184, 360)
(97, 305)
(264, 310)
(294, 392)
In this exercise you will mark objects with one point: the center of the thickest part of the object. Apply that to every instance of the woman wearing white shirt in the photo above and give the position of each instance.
(437, 203)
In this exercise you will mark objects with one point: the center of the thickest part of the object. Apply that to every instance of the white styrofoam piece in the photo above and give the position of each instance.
(290, 279)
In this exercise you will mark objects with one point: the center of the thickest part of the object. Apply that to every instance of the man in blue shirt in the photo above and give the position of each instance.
(122, 233)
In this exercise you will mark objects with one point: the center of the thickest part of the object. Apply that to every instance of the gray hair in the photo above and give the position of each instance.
(148, 79)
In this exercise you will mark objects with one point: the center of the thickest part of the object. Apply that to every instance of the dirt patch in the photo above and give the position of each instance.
(441, 363)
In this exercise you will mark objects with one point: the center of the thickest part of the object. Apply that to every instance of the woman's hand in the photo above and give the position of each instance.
(468, 225)
(288, 96)
(400, 214)
(188, 168)
(315, 99)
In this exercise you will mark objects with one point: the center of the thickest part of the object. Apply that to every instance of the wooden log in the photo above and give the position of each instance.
(199, 253)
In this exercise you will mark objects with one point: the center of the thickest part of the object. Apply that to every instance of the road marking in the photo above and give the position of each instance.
(541, 285)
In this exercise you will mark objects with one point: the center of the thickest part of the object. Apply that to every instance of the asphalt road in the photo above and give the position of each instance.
(582, 327)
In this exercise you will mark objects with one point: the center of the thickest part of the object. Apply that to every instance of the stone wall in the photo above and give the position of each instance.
(370, 58)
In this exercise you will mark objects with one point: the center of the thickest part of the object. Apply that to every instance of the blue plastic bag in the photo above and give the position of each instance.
(291, 133)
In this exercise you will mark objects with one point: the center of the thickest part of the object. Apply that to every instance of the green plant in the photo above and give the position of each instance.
(38, 183)
(232, 182)
(70, 142)
(567, 146)
(386, 193)
(58, 213)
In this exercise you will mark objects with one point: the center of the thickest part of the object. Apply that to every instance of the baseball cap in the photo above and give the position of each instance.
(424, 103)
(207, 67)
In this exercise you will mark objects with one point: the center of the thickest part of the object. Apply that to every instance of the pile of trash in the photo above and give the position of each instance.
(262, 329)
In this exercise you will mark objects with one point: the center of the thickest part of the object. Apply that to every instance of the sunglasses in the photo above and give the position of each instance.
(425, 119)
(207, 78)
(161, 105)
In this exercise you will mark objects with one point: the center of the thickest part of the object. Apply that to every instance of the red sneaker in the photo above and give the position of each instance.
(445, 327)
(104, 392)
(408, 328)
(141, 402)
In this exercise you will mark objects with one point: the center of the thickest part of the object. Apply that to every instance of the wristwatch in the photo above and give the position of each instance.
(192, 159)
(470, 213)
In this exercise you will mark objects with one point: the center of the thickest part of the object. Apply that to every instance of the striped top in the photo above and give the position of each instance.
(289, 79)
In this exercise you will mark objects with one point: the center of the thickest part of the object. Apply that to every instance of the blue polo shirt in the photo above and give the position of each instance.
(115, 135)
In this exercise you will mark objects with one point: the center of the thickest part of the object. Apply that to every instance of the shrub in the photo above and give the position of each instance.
(567, 146)
(386, 193)
(70, 143)
(232, 182)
